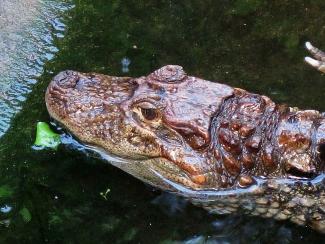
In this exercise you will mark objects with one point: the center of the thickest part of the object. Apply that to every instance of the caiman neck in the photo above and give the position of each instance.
(253, 137)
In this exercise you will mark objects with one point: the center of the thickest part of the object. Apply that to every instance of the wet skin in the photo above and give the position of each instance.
(221, 147)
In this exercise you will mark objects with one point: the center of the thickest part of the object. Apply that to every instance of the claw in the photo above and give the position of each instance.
(318, 61)
(308, 45)
(313, 62)
(318, 54)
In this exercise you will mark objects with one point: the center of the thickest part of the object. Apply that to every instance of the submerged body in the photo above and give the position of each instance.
(222, 147)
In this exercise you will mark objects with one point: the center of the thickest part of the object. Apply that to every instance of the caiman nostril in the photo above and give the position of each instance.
(67, 79)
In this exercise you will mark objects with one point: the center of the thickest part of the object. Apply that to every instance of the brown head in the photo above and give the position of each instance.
(222, 147)
(153, 125)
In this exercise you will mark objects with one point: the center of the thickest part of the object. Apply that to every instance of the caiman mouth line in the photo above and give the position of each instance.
(71, 139)
(202, 195)
(261, 184)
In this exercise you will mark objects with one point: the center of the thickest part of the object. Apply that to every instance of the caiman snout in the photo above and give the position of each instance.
(66, 79)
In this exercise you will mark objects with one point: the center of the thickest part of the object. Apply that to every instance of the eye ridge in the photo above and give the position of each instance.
(149, 113)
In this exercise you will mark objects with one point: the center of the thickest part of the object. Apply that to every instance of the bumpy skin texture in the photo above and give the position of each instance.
(222, 147)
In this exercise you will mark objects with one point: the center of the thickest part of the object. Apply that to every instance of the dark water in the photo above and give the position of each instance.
(57, 196)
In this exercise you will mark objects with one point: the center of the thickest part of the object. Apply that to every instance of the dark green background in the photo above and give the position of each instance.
(253, 44)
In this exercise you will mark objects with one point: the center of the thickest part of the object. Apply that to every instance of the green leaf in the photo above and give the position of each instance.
(25, 214)
(45, 137)
(5, 191)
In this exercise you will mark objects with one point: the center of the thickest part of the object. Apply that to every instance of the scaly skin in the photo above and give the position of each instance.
(223, 148)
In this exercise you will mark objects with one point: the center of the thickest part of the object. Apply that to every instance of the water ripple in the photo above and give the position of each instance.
(25, 46)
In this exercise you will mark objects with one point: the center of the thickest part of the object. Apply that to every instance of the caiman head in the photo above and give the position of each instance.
(155, 127)
(204, 140)
(169, 127)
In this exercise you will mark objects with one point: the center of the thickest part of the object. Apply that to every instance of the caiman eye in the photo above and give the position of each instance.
(149, 113)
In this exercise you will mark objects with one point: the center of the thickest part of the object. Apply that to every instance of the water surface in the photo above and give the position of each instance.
(58, 196)
(27, 32)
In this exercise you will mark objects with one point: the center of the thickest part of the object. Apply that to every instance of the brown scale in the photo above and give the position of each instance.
(254, 137)
(243, 132)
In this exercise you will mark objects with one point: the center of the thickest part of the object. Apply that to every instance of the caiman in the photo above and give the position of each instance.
(221, 147)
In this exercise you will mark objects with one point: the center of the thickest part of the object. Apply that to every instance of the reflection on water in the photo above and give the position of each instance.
(27, 29)
(55, 196)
